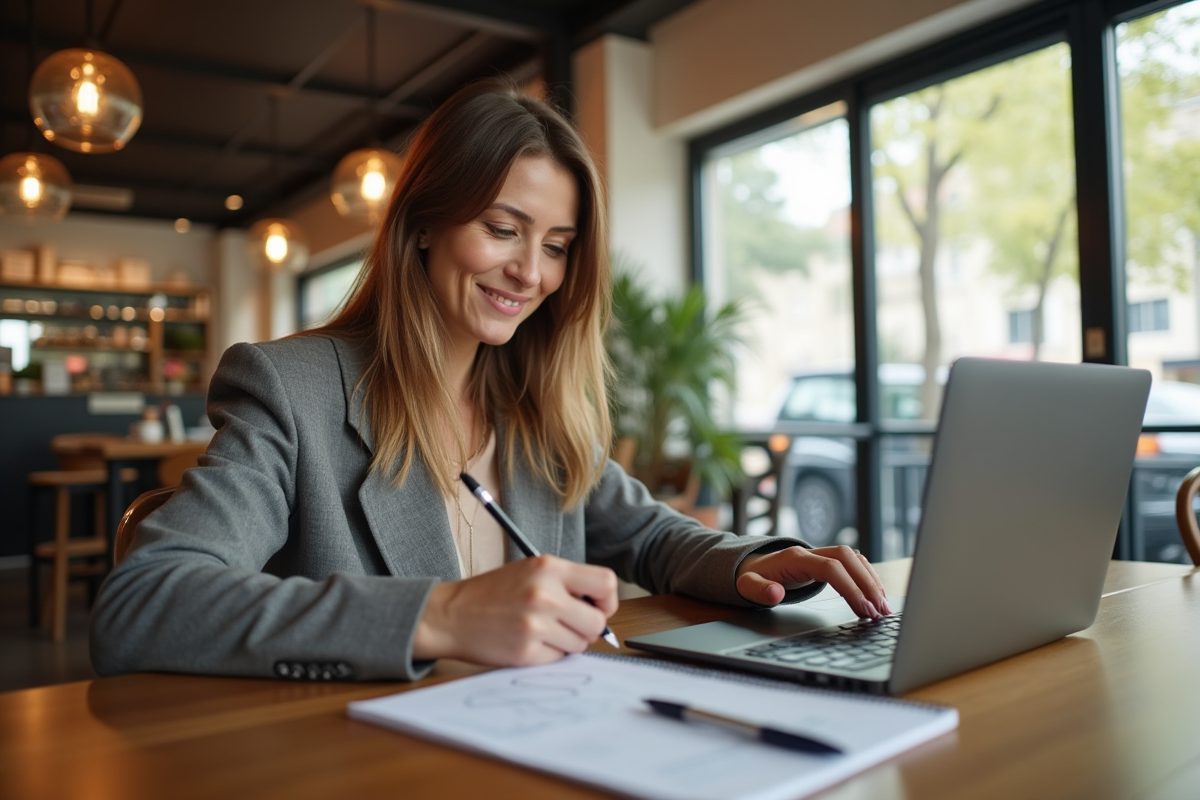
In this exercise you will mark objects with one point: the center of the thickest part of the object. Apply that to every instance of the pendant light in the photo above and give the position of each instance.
(277, 244)
(363, 180)
(34, 186)
(85, 100)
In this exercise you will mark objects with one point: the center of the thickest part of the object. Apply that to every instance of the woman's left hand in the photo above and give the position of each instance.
(763, 579)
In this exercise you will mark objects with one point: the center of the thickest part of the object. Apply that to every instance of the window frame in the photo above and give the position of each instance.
(305, 278)
(1088, 28)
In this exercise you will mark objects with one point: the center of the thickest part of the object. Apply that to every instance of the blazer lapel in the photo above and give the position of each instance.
(409, 524)
(531, 503)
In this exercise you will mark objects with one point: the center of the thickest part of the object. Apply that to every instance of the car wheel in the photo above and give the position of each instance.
(818, 510)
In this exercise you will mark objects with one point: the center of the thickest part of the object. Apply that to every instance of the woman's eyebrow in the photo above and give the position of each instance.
(528, 220)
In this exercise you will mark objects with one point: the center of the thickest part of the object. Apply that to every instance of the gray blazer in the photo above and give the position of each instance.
(284, 555)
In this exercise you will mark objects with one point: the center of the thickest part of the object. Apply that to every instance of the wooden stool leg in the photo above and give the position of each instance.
(35, 600)
(62, 529)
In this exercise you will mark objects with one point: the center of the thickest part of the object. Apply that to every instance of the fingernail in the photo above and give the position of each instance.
(883, 604)
(871, 611)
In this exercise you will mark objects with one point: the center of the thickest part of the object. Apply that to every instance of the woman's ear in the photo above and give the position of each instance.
(422, 239)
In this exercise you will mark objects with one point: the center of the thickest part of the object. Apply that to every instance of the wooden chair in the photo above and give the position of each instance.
(65, 552)
(137, 511)
(1189, 530)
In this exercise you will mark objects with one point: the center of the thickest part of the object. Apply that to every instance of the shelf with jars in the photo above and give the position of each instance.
(149, 338)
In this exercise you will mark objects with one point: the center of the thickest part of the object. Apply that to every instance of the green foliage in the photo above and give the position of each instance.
(755, 234)
(667, 355)
(1160, 66)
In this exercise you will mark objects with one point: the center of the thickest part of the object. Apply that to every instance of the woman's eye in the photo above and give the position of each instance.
(497, 230)
(555, 250)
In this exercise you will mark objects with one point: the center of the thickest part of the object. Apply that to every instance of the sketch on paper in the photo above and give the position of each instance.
(532, 704)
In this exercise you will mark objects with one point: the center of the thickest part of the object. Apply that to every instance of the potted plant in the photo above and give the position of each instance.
(668, 355)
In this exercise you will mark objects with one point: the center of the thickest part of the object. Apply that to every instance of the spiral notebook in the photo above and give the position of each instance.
(583, 718)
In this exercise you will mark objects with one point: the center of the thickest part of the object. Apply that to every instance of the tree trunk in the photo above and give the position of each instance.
(1043, 284)
(929, 232)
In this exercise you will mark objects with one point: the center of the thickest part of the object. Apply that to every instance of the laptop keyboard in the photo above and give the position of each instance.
(852, 647)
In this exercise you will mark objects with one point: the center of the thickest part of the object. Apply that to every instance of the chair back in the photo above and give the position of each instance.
(1186, 517)
(137, 511)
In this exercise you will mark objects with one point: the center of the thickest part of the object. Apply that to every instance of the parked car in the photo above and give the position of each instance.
(821, 470)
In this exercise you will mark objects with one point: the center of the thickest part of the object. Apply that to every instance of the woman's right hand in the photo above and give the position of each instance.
(527, 612)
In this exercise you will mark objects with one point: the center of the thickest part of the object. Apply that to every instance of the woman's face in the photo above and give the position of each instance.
(491, 273)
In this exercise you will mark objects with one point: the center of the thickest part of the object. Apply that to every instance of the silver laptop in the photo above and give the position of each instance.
(1023, 498)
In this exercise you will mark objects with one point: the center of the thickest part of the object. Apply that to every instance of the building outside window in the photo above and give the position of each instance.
(1148, 316)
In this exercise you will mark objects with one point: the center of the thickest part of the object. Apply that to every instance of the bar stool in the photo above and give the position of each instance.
(63, 549)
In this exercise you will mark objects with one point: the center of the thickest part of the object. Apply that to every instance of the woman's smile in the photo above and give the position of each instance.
(491, 273)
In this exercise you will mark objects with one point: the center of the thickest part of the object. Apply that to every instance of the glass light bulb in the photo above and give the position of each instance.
(373, 185)
(276, 248)
(31, 191)
(277, 244)
(87, 98)
(34, 187)
(362, 183)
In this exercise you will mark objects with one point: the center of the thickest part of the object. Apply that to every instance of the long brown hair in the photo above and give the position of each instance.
(545, 385)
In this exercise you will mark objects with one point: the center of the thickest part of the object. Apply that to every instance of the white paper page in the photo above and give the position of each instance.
(583, 718)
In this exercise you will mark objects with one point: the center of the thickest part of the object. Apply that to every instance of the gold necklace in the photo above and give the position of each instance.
(462, 516)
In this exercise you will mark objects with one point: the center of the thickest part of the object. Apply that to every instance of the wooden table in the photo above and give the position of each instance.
(1113, 712)
(117, 453)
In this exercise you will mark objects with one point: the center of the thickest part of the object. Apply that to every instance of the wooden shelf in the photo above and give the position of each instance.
(179, 290)
(90, 348)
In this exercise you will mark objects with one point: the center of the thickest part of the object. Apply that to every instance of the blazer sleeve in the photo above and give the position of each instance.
(661, 550)
(192, 596)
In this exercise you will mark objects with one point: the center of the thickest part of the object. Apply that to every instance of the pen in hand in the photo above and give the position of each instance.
(518, 538)
(775, 736)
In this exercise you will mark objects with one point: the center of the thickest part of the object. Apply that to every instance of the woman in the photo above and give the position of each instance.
(324, 534)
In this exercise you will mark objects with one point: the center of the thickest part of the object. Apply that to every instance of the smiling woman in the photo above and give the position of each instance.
(325, 535)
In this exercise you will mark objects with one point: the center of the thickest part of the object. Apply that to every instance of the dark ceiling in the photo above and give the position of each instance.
(209, 70)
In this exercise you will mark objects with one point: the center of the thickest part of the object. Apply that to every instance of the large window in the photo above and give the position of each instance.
(778, 240)
(322, 292)
(1158, 57)
(999, 193)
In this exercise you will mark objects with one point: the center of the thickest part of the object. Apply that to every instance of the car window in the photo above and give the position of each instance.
(901, 401)
(1173, 403)
(820, 398)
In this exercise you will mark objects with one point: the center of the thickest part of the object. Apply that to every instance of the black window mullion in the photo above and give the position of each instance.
(866, 340)
(1099, 207)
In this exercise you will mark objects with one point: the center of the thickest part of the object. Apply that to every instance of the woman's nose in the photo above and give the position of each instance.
(526, 268)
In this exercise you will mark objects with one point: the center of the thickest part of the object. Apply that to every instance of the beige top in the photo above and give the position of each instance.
(481, 544)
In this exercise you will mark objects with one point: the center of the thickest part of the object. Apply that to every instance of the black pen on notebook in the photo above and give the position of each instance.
(517, 537)
(765, 733)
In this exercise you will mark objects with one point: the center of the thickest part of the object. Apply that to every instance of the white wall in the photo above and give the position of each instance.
(237, 296)
(718, 60)
(644, 170)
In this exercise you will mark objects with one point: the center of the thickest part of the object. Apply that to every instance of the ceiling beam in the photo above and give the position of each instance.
(215, 70)
(632, 18)
(506, 20)
(187, 142)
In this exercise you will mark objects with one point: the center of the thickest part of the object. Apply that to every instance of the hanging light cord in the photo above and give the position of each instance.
(372, 100)
(31, 139)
